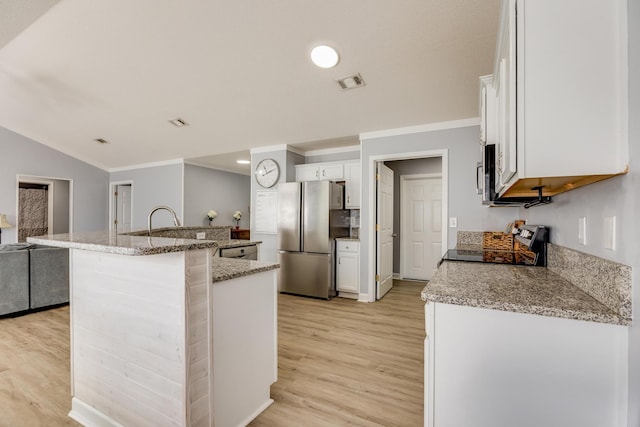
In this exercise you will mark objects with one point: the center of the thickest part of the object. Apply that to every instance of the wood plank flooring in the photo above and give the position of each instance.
(340, 363)
(34, 370)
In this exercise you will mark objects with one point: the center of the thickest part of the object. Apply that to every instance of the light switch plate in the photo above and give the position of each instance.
(453, 222)
(610, 233)
(582, 230)
(200, 235)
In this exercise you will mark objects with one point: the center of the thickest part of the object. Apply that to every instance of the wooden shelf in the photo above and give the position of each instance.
(241, 233)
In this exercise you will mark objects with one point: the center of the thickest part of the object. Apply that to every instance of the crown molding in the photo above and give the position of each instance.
(430, 127)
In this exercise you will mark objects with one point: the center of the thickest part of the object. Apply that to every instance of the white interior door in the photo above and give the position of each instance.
(122, 211)
(421, 207)
(384, 230)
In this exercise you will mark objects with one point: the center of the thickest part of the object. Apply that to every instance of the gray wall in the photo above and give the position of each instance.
(224, 192)
(23, 156)
(463, 202)
(407, 167)
(153, 186)
(334, 157)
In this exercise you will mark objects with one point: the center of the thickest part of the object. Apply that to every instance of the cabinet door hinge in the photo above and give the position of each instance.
(377, 227)
(377, 277)
(377, 177)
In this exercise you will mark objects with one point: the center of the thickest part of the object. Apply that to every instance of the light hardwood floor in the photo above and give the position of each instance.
(340, 363)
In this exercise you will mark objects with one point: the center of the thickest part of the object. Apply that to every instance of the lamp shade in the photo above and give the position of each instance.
(3, 222)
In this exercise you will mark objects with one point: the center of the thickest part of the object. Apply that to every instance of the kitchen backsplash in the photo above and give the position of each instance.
(607, 281)
(468, 238)
(354, 229)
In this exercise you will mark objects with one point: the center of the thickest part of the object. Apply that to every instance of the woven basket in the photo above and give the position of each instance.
(498, 256)
(497, 240)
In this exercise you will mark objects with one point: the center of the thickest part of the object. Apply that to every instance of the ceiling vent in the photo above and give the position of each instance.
(178, 122)
(351, 82)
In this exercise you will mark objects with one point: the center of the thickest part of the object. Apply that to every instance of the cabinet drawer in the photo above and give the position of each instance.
(348, 246)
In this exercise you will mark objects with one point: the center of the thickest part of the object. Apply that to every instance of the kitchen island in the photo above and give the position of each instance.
(519, 345)
(165, 334)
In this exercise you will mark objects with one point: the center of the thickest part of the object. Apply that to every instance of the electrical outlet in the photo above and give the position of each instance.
(453, 222)
(200, 236)
(582, 230)
(610, 233)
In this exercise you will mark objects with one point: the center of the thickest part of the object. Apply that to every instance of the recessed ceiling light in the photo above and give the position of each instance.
(101, 141)
(325, 56)
(243, 162)
(178, 122)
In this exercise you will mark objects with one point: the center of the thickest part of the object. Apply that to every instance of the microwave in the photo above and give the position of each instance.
(486, 184)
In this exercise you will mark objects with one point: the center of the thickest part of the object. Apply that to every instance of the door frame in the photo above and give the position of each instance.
(403, 230)
(49, 181)
(371, 207)
(112, 200)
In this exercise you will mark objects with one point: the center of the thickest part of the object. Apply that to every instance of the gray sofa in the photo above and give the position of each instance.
(32, 276)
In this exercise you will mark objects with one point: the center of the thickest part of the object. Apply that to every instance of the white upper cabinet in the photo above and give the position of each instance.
(332, 171)
(561, 91)
(487, 110)
(352, 184)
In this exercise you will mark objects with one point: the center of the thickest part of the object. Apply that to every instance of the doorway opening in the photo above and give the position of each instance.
(44, 206)
(121, 206)
(379, 252)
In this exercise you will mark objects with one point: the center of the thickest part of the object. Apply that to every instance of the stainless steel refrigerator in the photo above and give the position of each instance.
(310, 216)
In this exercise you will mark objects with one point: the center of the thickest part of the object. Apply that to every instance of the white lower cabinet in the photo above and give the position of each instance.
(495, 368)
(348, 266)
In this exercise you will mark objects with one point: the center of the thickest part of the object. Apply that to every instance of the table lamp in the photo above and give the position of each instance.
(3, 224)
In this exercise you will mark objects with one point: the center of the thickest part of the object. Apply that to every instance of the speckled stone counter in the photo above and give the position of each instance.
(350, 239)
(110, 242)
(522, 289)
(236, 243)
(230, 268)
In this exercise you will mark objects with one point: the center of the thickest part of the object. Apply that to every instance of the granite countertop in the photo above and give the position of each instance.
(230, 268)
(236, 243)
(353, 239)
(110, 242)
(521, 289)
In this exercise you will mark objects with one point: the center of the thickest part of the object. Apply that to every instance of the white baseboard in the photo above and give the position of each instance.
(363, 297)
(256, 413)
(397, 276)
(350, 295)
(88, 416)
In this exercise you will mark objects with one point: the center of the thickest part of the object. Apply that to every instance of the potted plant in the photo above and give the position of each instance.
(212, 215)
(236, 217)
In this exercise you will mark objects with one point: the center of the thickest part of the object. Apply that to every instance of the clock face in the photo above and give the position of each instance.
(267, 173)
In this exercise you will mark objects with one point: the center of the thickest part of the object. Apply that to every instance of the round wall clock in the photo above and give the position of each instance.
(267, 173)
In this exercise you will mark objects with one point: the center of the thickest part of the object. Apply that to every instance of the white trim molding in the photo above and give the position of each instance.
(430, 127)
(336, 150)
(371, 249)
(147, 165)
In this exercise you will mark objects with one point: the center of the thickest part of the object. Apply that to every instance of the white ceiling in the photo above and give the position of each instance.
(237, 71)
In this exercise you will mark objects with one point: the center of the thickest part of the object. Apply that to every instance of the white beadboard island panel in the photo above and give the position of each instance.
(128, 323)
(173, 338)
